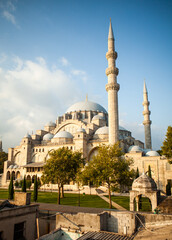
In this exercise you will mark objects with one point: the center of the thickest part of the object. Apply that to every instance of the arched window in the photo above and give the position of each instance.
(8, 175)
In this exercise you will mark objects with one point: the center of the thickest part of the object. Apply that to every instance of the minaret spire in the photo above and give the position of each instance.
(112, 88)
(147, 122)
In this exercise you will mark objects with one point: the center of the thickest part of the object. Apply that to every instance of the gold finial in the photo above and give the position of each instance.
(86, 97)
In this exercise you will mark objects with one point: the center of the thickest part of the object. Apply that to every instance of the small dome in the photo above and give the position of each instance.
(15, 166)
(50, 124)
(11, 166)
(63, 134)
(152, 153)
(81, 130)
(27, 135)
(134, 148)
(96, 117)
(86, 106)
(102, 130)
(144, 182)
(122, 128)
(48, 136)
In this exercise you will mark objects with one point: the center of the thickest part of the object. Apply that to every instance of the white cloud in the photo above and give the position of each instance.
(64, 61)
(10, 17)
(80, 73)
(31, 94)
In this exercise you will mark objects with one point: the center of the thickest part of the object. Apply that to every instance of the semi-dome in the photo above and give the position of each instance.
(81, 130)
(48, 136)
(144, 182)
(97, 117)
(63, 134)
(50, 124)
(135, 148)
(86, 106)
(152, 153)
(102, 130)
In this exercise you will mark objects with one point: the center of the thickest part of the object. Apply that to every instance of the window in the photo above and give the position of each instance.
(43, 150)
(38, 169)
(36, 150)
(40, 150)
(33, 149)
(19, 231)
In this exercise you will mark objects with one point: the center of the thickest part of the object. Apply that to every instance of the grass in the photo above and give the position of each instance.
(69, 199)
(124, 201)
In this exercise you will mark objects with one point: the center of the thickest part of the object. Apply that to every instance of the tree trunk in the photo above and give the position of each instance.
(110, 202)
(62, 191)
(59, 194)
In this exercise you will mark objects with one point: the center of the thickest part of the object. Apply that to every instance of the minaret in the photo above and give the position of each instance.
(147, 122)
(112, 88)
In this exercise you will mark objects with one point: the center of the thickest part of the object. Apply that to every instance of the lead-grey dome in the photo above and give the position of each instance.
(48, 136)
(105, 130)
(97, 117)
(152, 153)
(63, 134)
(86, 106)
(135, 148)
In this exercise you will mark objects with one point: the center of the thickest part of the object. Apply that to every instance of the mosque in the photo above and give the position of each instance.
(84, 126)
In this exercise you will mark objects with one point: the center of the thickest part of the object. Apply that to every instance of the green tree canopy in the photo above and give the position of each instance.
(62, 167)
(3, 157)
(109, 166)
(167, 144)
(24, 185)
(11, 189)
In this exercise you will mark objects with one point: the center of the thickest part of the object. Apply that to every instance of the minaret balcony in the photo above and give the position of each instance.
(112, 70)
(111, 54)
(112, 86)
(147, 122)
(146, 112)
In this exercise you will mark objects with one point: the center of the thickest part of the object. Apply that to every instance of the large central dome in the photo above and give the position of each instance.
(86, 106)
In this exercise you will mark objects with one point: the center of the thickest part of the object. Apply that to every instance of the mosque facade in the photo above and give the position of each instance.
(84, 126)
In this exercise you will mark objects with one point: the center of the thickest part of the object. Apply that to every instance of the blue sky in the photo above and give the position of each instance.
(52, 53)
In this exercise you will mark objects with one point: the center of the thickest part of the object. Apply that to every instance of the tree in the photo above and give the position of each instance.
(11, 189)
(149, 172)
(3, 157)
(167, 144)
(24, 185)
(28, 184)
(62, 167)
(111, 167)
(137, 173)
(35, 191)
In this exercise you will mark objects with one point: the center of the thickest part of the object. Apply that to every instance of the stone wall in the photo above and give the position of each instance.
(154, 220)
(121, 222)
(10, 217)
(82, 221)
(113, 221)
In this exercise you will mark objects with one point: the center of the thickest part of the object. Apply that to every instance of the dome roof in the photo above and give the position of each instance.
(50, 124)
(81, 130)
(27, 135)
(63, 134)
(152, 153)
(144, 182)
(86, 106)
(48, 136)
(134, 148)
(105, 130)
(102, 130)
(96, 117)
